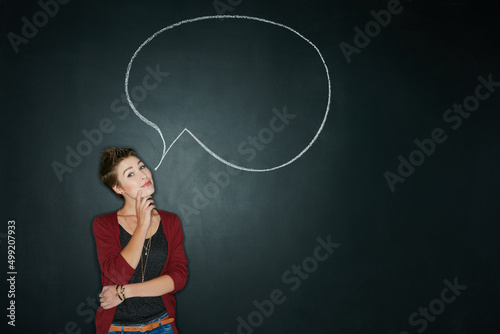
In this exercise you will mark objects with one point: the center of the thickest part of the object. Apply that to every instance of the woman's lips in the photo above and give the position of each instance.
(147, 184)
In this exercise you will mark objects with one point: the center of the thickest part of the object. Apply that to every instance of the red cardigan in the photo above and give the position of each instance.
(116, 270)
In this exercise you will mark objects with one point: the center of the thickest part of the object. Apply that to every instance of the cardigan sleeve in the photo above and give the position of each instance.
(114, 267)
(177, 262)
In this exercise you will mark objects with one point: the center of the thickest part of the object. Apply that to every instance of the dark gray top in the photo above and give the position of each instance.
(143, 309)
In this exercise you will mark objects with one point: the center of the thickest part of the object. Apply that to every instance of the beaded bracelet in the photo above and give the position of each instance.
(123, 292)
(118, 293)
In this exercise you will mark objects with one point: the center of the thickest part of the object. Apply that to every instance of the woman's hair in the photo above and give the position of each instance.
(111, 157)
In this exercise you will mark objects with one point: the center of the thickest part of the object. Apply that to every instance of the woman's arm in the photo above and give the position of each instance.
(177, 262)
(144, 209)
(115, 269)
(110, 295)
(153, 288)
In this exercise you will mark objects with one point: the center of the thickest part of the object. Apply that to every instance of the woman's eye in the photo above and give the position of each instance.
(130, 175)
(143, 166)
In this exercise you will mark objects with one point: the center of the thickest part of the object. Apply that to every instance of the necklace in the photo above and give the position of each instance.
(144, 266)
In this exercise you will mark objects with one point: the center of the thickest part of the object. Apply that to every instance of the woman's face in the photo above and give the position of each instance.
(133, 176)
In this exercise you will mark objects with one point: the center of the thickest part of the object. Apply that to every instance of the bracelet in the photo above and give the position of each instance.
(118, 293)
(123, 292)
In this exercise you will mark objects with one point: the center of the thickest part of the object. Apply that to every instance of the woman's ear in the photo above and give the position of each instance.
(118, 189)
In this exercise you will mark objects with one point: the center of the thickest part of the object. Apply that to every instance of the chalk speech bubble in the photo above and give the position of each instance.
(186, 130)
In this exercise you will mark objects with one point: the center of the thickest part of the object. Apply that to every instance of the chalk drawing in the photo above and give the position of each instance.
(154, 126)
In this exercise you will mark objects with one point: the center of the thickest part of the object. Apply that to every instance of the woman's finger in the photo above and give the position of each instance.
(146, 201)
(138, 200)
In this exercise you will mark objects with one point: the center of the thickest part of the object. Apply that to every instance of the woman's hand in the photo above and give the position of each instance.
(143, 208)
(109, 297)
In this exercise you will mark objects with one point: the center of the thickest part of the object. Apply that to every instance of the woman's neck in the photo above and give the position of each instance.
(128, 208)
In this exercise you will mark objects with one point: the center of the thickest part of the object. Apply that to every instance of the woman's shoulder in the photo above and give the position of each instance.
(171, 224)
(104, 224)
(105, 218)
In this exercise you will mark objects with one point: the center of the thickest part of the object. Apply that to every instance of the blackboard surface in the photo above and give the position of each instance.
(334, 163)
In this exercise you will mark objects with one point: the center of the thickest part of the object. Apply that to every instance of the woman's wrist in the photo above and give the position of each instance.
(122, 292)
(128, 291)
(117, 289)
(142, 229)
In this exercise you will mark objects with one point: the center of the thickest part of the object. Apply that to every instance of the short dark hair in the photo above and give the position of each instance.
(110, 159)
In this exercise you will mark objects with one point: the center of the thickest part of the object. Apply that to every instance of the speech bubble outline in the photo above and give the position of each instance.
(186, 130)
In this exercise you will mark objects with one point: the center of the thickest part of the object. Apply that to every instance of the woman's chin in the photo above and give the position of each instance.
(147, 192)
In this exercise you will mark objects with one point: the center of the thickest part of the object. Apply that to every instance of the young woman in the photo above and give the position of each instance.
(140, 252)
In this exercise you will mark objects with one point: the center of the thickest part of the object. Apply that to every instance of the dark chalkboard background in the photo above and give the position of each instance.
(254, 236)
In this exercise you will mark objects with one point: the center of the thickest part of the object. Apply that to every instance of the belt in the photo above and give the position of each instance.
(143, 328)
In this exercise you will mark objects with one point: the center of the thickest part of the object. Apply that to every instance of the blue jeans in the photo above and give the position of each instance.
(167, 328)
